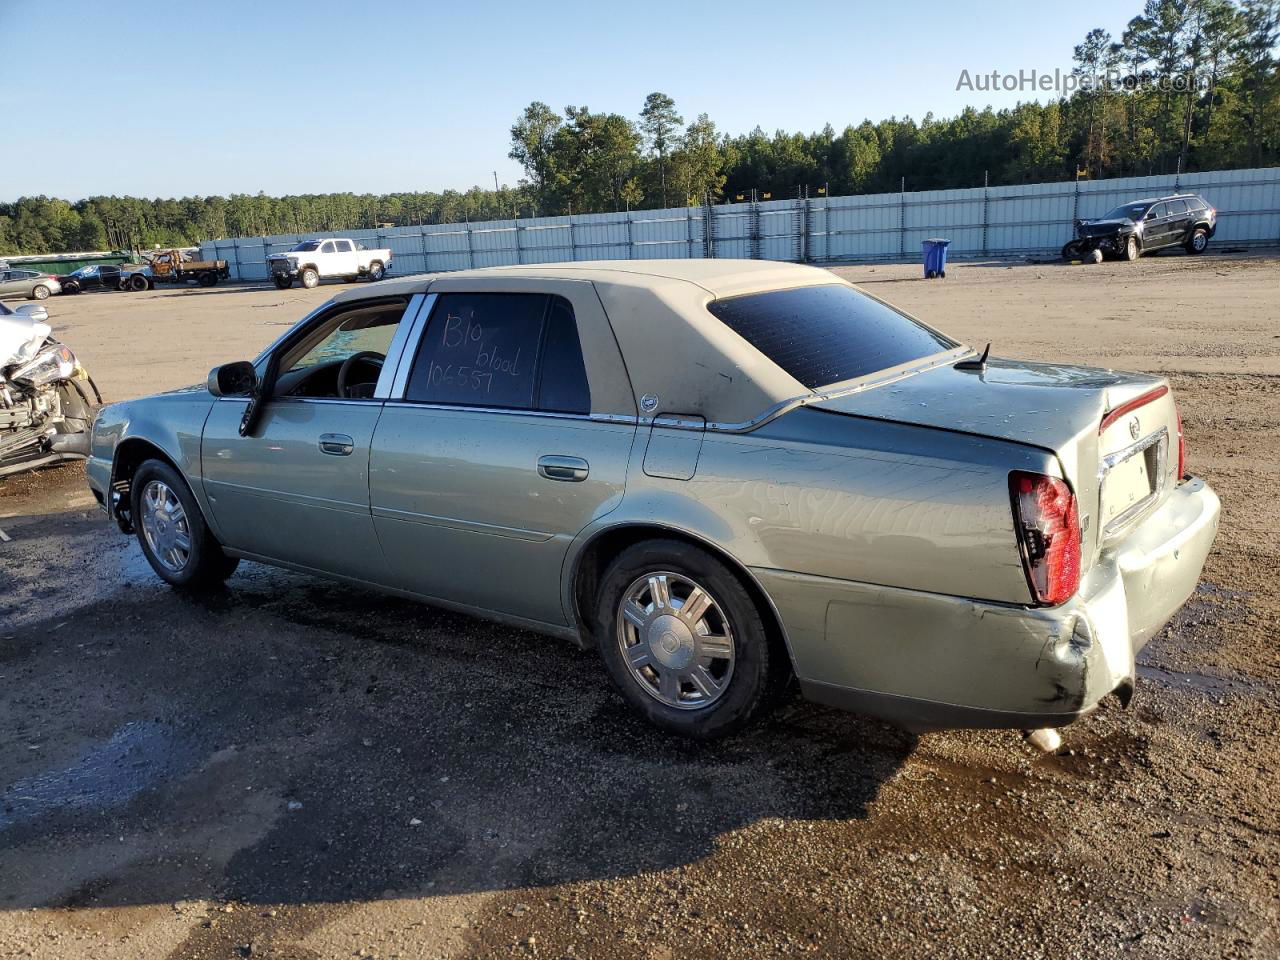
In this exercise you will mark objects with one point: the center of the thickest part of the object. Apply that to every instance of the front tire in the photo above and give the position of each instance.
(1073, 250)
(310, 279)
(1131, 249)
(684, 641)
(1198, 242)
(40, 292)
(283, 283)
(172, 532)
(137, 283)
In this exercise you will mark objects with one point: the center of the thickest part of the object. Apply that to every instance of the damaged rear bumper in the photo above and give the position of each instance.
(927, 661)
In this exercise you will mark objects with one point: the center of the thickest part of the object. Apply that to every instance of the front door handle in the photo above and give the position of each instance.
(336, 444)
(572, 469)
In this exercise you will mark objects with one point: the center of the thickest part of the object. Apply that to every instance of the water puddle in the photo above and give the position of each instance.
(107, 775)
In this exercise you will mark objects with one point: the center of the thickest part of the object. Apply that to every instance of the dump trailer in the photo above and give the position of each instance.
(171, 266)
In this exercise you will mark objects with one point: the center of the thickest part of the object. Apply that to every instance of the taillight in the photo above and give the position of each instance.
(1182, 447)
(1048, 525)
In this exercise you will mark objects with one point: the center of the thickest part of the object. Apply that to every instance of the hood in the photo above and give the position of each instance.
(20, 338)
(1042, 404)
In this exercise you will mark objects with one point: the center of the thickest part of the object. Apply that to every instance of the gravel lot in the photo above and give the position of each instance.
(293, 769)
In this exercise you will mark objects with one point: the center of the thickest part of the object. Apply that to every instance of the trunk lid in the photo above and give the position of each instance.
(1115, 434)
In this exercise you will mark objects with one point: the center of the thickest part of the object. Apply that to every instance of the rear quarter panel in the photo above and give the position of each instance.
(859, 499)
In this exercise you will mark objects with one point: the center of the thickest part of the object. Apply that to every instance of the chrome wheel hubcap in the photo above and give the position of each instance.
(165, 527)
(1199, 241)
(675, 640)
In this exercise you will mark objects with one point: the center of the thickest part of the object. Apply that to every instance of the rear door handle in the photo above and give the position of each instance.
(572, 469)
(336, 444)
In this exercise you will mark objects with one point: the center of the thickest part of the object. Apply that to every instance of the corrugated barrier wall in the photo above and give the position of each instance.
(1031, 219)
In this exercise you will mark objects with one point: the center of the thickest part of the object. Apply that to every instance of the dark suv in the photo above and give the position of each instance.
(1133, 229)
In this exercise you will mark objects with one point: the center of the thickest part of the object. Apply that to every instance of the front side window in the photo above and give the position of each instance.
(311, 367)
(828, 334)
(306, 246)
(510, 350)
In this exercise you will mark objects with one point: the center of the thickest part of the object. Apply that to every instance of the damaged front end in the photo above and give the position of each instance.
(1115, 239)
(47, 399)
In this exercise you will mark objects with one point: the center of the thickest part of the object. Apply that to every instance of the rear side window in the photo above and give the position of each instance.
(562, 382)
(510, 350)
(827, 334)
(1177, 207)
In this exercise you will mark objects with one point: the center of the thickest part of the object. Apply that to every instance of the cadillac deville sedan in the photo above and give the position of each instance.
(722, 474)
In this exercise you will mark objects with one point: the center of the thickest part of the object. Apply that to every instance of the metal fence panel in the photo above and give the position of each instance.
(1001, 221)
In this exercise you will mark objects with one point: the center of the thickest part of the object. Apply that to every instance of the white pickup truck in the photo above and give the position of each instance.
(314, 260)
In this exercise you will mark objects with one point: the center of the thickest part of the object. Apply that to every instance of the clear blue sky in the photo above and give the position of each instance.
(285, 97)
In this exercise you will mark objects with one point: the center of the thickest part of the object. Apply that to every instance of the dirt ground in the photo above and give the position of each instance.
(291, 769)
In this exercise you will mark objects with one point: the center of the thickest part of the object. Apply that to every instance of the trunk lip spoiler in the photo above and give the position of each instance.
(1128, 407)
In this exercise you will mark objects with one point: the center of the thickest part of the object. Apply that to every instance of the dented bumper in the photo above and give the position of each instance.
(927, 661)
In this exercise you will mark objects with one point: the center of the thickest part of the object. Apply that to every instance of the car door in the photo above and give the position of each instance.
(508, 432)
(297, 489)
(8, 285)
(1179, 222)
(344, 258)
(1155, 228)
(326, 259)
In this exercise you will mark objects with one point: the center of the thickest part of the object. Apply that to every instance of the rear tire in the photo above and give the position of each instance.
(376, 271)
(1198, 242)
(172, 532)
(40, 292)
(704, 674)
(207, 279)
(310, 279)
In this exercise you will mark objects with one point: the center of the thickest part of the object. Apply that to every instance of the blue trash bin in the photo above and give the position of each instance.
(935, 257)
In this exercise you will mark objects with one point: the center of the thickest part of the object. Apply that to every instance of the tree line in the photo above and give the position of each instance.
(1189, 85)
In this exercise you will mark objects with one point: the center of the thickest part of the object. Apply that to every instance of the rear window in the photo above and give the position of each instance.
(828, 334)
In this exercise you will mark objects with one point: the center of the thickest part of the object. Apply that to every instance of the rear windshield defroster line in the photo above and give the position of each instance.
(828, 334)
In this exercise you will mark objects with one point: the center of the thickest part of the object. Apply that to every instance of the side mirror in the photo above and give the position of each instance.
(34, 311)
(233, 379)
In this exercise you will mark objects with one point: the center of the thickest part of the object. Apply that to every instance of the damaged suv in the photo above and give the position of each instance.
(1133, 229)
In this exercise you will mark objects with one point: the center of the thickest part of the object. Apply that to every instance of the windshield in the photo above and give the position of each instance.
(307, 246)
(1130, 211)
(828, 334)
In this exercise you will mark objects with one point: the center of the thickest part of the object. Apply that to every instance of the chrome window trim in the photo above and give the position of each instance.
(1129, 516)
(409, 347)
(514, 412)
(395, 351)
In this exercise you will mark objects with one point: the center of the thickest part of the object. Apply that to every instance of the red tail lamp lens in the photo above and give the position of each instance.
(1048, 525)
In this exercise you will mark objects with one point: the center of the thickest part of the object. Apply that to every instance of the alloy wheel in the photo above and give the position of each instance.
(676, 640)
(165, 526)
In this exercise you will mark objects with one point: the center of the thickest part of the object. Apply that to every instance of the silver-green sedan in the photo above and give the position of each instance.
(722, 474)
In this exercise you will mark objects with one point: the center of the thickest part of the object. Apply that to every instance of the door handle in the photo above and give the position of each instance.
(336, 444)
(572, 469)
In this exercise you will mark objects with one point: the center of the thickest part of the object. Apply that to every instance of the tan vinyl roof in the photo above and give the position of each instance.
(674, 349)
